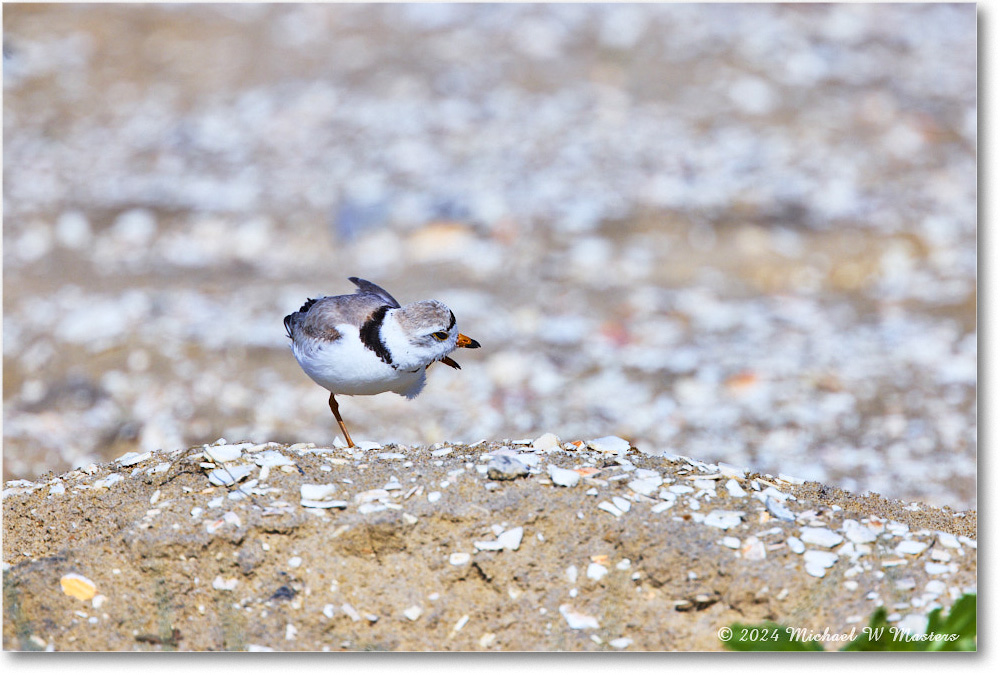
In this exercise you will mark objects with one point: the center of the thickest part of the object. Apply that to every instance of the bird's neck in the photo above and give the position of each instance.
(404, 355)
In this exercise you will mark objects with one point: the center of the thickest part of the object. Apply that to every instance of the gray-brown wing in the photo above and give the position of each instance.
(319, 318)
(365, 286)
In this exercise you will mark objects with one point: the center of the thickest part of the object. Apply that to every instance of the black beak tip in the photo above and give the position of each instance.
(473, 344)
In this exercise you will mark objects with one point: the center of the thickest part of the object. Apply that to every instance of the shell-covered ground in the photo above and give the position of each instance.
(536, 544)
(744, 234)
(740, 233)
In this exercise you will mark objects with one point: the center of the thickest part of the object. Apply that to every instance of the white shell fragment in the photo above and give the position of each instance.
(610, 444)
(272, 458)
(937, 568)
(371, 495)
(546, 442)
(779, 510)
(348, 609)
(910, 547)
(734, 489)
(224, 453)
(824, 558)
(650, 475)
(572, 573)
(488, 545)
(623, 504)
(509, 540)
(318, 497)
(529, 459)
(858, 533)
(753, 549)
(316, 492)
(724, 519)
(948, 540)
(221, 584)
(130, 458)
(596, 571)
(817, 562)
(643, 486)
(563, 477)
(731, 470)
(821, 536)
(913, 624)
(577, 620)
(230, 475)
(109, 480)
(505, 467)
(323, 504)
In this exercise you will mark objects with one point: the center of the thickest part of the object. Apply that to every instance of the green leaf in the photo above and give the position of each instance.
(961, 622)
(958, 632)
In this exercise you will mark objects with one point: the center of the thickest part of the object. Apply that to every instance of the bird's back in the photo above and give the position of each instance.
(318, 317)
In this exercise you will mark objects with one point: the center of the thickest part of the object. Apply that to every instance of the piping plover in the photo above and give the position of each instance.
(367, 343)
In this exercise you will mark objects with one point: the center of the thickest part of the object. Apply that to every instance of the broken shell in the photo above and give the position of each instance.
(79, 586)
(610, 444)
(578, 620)
(224, 453)
(230, 476)
(563, 477)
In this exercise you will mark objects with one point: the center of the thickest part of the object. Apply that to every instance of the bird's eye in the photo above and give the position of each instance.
(440, 336)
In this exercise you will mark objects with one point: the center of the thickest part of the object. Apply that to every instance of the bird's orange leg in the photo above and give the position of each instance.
(336, 413)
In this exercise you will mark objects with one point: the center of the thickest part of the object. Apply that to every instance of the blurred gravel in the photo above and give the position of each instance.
(738, 233)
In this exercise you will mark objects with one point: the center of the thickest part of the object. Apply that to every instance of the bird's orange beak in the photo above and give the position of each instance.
(466, 341)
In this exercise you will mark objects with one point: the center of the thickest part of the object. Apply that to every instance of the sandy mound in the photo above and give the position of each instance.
(448, 548)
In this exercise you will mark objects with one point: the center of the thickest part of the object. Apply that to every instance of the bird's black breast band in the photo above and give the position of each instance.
(371, 334)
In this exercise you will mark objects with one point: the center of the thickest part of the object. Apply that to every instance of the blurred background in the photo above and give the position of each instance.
(741, 233)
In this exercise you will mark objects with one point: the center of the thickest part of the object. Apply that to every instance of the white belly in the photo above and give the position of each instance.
(348, 367)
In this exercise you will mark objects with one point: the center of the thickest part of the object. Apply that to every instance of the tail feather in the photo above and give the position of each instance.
(307, 304)
(365, 286)
(292, 320)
